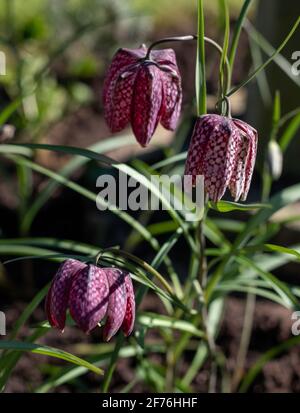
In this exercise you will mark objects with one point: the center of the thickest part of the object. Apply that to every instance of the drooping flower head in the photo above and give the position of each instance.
(91, 294)
(223, 150)
(142, 90)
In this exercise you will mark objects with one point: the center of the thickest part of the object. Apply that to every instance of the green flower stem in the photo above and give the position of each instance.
(208, 40)
(200, 64)
(236, 35)
(112, 364)
(223, 76)
(143, 264)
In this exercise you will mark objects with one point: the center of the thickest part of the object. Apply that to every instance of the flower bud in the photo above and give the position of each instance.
(275, 159)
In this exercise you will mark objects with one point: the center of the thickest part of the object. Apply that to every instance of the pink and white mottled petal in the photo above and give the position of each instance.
(121, 60)
(203, 129)
(250, 164)
(138, 53)
(237, 181)
(172, 99)
(218, 160)
(117, 302)
(129, 318)
(252, 137)
(146, 103)
(89, 297)
(58, 295)
(166, 59)
(118, 113)
(124, 58)
(164, 56)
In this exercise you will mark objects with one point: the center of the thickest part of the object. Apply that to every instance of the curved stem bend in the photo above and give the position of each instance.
(184, 39)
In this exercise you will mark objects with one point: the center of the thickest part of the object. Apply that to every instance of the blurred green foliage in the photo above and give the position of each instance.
(182, 10)
(67, 44)
(55, 50)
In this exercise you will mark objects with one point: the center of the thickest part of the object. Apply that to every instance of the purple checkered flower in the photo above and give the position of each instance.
(142, 90)
(91, 294)
(223, 150)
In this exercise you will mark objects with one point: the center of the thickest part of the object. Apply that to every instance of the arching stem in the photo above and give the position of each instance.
(184, 39)
(148, 268)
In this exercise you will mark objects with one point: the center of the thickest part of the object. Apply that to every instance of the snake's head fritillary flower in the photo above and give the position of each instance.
(142, 90)
(92, 294)
(223, 150)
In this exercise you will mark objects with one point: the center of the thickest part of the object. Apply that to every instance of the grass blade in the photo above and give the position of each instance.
(48, 351)
(200, 63)
(269, 355)
(268, 61)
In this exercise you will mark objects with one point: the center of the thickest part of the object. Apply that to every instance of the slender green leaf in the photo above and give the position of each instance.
(237, 31)
(48, 351)
(93, 197)
(58, 244)
(267, 48)
(264, 359)
(278, 201)
(197, 362)
(16, 150)
(261, 78)
(229, 225)
(289, 115)
(224, 77)
(112, 363)
(72, 166)
(10, 358)
(289, 132)
(269, 262)
(28, 311)
(284, 250)
(227, 206)
(152, 320)
(268, 61)
(138, 177)
(200, 63)
(281, 288)
(67, 374)
(170, 161)
(226, 288)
